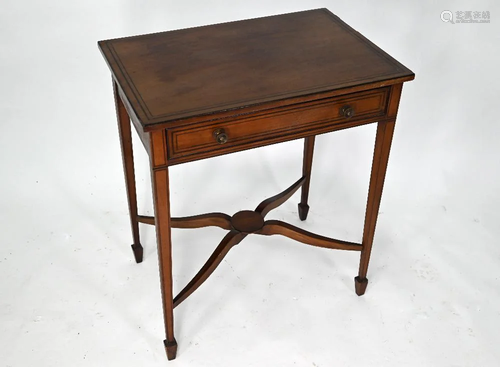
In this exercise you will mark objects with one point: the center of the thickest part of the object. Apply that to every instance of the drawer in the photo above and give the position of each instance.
(285, 123)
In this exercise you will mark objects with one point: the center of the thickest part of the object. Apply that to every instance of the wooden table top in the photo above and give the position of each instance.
(180, 74)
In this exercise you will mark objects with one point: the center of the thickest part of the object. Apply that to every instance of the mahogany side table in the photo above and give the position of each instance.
(207, 91)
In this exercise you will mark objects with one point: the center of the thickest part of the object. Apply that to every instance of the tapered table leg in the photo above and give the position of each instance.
(383, 141)
(306, 172)
(163, 238)
(128, 167)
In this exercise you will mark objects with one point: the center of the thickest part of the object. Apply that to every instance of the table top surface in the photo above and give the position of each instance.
(180, 74)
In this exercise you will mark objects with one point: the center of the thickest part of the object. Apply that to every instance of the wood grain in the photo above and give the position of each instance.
(303, 207)
(128, 168)
(272, 227)
(285, 123)
(220, 220)
(383, 141)
(170, 76)
(273, 202)
(161, 199)
(231, 239)
(258, 82)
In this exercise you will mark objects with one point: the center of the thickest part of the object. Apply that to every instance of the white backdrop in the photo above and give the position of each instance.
(71, 295)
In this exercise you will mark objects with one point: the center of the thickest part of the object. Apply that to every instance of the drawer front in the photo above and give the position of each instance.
(285, 123)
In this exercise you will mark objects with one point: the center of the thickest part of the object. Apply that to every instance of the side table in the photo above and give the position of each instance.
(202, 92)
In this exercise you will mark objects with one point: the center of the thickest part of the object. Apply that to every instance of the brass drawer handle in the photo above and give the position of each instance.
(220, 136)
(347, 111)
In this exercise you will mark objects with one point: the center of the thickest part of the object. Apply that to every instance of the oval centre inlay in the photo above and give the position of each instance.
(247, 221)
